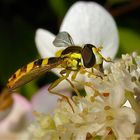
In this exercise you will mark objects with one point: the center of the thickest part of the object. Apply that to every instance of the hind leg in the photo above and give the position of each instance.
(55, 83)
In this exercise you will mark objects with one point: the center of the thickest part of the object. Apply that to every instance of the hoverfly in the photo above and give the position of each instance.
(72, 58)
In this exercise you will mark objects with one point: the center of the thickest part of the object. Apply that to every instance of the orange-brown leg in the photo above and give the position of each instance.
(55, 83)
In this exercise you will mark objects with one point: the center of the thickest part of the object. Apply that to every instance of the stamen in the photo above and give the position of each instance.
(107, 108)
(77, 124)
(93, 134)
(85, 110)
(92, 98)
(106, 94)
(109, 118)
(108, 129)
(139, 79)
(88, 136)
(133, 79)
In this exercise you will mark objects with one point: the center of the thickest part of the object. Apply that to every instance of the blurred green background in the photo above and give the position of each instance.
(19, 20)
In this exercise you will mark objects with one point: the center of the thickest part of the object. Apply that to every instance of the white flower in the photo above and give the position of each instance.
(86, 22)
(122, 84)
(102, 113)
(90, 119)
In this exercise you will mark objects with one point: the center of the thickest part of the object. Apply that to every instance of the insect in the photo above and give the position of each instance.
(71, 58)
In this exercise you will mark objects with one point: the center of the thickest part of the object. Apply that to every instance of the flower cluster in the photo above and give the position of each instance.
(110, 108)
(102, 113)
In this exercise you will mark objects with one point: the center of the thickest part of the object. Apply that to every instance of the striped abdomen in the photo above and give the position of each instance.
(32, 70)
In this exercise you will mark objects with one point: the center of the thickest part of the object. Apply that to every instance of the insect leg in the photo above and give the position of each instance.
(55, 83)
(83, 71)
(99, 67)
(89, 84)
(72, 85)
(107, 59)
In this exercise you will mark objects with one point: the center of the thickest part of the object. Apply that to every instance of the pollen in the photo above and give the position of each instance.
(107, 108)
(77, 125)
(106, 94)
(109, 118)
(85, 110)
(92, 98)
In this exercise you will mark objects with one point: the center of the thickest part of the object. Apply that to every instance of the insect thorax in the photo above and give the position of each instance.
(72, 57)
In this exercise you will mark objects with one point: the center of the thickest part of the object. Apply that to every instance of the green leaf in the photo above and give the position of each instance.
(129, 41)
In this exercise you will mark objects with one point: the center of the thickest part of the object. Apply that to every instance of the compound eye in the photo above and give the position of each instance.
(88, 56)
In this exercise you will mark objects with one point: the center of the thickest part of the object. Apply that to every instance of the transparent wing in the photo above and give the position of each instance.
(63, 39)
(31, 71)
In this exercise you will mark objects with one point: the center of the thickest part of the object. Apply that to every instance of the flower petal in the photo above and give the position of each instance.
(45, 102)
(125, 130)
(43, 40)
(128, 114)
(6, 104)
(124, 123)
(19, 116)
(88, 22)
(5, 112)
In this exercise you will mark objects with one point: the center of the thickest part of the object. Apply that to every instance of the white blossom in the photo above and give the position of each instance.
(102, 113)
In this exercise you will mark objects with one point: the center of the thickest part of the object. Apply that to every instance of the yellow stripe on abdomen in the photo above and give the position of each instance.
(30, 67)
(44, 62)
(31, 71)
